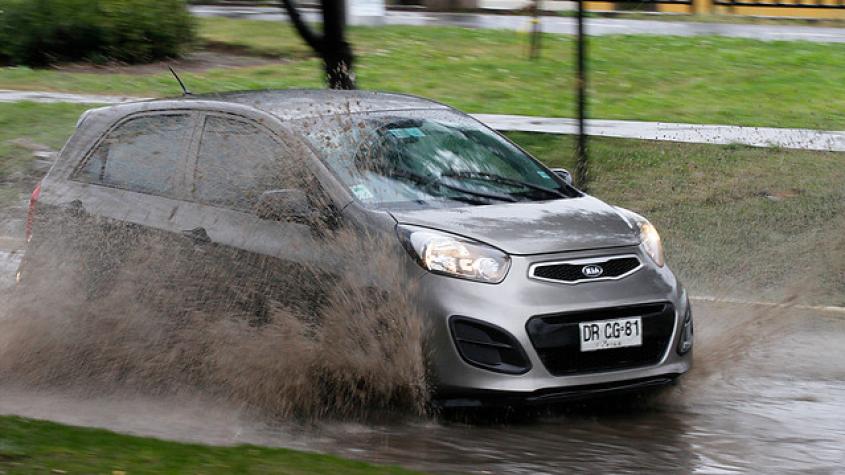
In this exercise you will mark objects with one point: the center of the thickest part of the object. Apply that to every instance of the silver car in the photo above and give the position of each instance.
(531, 290)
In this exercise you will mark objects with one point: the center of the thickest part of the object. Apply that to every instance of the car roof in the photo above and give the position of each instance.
(301, 103)
(285, 105)
(288, 104)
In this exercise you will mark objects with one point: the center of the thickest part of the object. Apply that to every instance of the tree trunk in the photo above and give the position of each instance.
(337, 54)
(534, 52)
(582, 166)
(331, 45)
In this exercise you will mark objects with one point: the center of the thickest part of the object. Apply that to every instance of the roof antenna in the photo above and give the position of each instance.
(185, 90)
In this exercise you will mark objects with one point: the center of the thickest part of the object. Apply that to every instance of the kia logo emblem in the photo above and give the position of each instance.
(592, 271)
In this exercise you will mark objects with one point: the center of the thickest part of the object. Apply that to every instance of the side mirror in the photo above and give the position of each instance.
(284, 205)
(563, 174)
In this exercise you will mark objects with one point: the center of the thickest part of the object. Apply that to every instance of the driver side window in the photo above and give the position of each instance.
(238, 160)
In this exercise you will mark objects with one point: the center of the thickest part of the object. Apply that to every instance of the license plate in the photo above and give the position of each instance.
(606, 334)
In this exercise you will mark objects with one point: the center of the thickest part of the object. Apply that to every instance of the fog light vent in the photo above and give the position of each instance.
(687, 331)
(487, 346)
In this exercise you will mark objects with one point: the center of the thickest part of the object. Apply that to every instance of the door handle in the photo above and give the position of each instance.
(197, 235)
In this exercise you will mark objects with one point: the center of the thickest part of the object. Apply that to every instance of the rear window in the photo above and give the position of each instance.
(144, 154)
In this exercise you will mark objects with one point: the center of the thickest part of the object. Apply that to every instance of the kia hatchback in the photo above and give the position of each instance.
(531, 290)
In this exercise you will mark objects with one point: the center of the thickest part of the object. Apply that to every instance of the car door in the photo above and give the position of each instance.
(124, 194)
(263, 263)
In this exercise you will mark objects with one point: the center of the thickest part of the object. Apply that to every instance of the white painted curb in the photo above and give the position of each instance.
(801, 139)
(818, 308)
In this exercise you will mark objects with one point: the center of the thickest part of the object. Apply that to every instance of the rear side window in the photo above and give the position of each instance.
(145, 154)
(238, 160)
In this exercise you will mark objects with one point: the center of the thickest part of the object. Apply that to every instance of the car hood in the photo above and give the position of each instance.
(536, 227)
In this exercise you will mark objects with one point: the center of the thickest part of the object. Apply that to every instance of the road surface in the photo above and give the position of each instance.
(766, 395)
(564, 25)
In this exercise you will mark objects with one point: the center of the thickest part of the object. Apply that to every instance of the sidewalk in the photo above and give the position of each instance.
(7, 95)
(561, 25)
(802, 139)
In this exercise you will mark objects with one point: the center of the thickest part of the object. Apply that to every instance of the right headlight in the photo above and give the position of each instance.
(454, 256)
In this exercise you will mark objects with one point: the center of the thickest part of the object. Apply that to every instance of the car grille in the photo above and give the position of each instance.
(573, 271)
(556, 339)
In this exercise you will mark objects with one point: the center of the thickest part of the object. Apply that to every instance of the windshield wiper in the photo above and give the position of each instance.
(505, 180)
(428, 181)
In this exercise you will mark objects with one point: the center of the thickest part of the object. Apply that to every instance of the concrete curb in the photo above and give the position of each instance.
(734, 301)
(801, 139)
(8, 95)
(561, 25)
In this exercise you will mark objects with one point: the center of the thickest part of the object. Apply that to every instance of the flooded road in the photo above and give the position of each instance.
(767, 395)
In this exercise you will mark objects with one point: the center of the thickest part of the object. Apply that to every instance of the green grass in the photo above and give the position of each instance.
(700, 79)
(48, 125)
(734, 218)
(28, 446)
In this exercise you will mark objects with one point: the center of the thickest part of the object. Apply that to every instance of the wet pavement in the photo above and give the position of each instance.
(767, 395)
(562, 25)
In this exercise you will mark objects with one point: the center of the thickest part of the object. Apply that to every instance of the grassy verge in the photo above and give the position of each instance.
(28, 446)
(701, 79)
(734, 218)
(24, 127)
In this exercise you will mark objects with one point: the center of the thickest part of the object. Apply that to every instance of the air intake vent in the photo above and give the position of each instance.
(555, 337)
(585, 270)
(486, 346)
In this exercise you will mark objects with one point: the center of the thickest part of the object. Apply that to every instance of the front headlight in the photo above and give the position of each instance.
(651, 243)
(649, 239)
(454, 256)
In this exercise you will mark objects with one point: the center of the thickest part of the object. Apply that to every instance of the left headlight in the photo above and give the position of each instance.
(651, 243)
(649, 238)
(454, 256)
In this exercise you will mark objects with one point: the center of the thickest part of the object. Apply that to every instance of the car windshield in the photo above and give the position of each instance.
(428, 159)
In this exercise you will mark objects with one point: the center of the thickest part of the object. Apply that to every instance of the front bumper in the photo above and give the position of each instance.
(512, 303)
(481, 398)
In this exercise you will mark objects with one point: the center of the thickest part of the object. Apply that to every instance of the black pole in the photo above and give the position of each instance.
(535, 30)
(582, 174)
